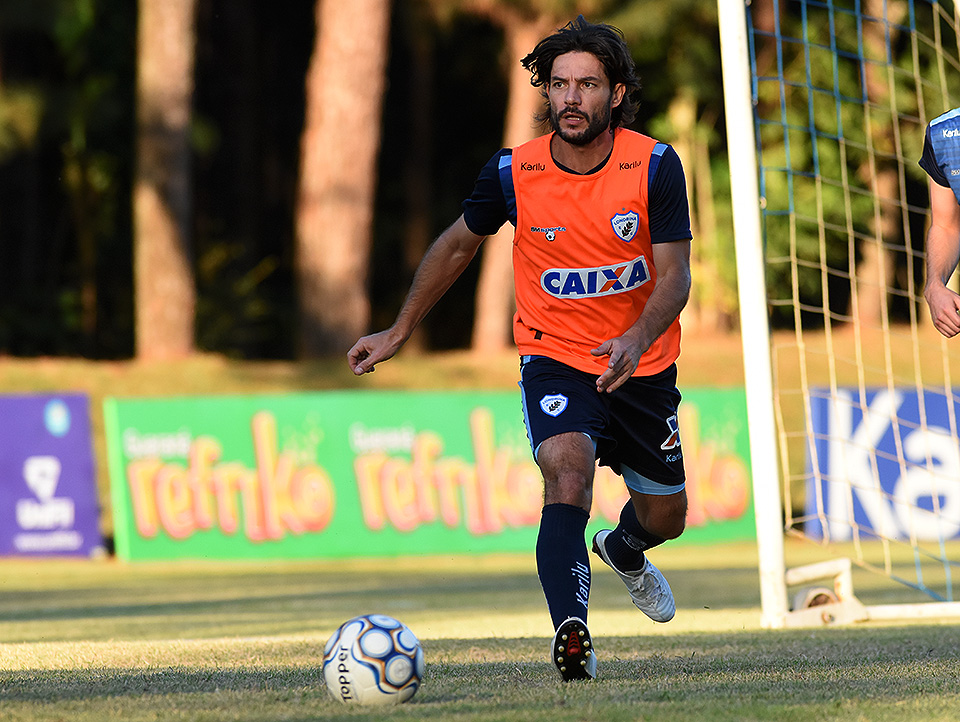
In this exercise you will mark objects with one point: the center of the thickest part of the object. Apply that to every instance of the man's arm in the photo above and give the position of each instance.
(442, 264)
(943, 253)
(672, 261)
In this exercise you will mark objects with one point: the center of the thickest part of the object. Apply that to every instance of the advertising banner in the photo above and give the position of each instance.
(364, 474)
(47, 477)
(858, 477)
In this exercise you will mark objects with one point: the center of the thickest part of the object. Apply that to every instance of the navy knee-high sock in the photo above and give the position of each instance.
(626, 544)
(562, 561)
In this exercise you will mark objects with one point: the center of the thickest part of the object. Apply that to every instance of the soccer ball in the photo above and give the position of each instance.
(373, 659)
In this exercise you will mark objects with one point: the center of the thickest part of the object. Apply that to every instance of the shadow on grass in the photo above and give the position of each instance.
(341, 597)
(178, 600)
(75, 684)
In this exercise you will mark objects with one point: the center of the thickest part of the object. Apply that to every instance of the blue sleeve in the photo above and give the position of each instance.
(668, 211)
(929, 162)
(486, 208)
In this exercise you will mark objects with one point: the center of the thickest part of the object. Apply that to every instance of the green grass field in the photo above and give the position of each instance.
(97, 640)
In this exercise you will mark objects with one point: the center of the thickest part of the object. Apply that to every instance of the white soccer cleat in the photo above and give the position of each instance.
(572, 651)
(648, 588)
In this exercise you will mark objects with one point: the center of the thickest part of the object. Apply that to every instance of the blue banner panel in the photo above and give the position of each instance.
(47, 477)
(886, 464)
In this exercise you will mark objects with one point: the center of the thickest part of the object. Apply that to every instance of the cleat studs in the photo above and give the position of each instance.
(583, 663)
(586, 644)
(564, 637)
(563, 669)
(559, 660)
(587, 654)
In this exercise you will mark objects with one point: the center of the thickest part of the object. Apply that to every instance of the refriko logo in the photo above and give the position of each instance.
(345, 474)
(594, 282)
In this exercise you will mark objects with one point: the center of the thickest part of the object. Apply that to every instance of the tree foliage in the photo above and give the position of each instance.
(67, 158)
(66, 123)
(836, 137)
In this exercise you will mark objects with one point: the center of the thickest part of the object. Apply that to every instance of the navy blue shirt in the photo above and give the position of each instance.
(929, 162)
(669, 214)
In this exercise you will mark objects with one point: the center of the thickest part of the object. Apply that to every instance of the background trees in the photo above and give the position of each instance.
(66, 168)
(296, 178)
(165, 298)
(338, 162)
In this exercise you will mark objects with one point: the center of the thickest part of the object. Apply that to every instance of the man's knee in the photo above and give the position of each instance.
(567, 464)
(664, 516)
(568, 486)
(672, 526)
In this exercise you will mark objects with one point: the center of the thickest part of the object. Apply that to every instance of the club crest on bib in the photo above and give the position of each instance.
(553, 404)
(625, 225)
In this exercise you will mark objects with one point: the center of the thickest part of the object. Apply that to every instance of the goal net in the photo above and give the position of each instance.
(858, 453)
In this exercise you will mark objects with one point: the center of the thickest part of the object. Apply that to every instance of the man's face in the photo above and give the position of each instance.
(581, 98)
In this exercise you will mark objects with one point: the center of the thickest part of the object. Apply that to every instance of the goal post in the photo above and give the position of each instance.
(754, 325)
(851, 407)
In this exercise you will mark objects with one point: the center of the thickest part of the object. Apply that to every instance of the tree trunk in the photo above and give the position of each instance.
(417, 185)
(164, 280)
(494, 303)
(338, 156)
(716, 307)
(682, 113)
(877, 266)
(876, 270)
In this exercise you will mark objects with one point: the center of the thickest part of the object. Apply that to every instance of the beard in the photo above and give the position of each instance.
(595, 125)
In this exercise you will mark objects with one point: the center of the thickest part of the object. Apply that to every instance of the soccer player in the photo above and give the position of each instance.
(941, 161)
(601, 258)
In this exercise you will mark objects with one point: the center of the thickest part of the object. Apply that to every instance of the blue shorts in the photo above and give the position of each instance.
(634, 429)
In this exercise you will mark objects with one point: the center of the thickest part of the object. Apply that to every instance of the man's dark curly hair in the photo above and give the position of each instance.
(606, 43)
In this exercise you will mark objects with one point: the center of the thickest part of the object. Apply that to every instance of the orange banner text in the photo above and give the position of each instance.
(504, 489)
(275, 498)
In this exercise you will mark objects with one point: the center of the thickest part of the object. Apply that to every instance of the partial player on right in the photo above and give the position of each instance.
(941, 161)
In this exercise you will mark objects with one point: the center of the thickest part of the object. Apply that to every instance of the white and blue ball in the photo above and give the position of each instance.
(373, 660)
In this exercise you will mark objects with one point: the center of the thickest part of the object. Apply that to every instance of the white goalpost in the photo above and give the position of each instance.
(754, 324)
(852, 411)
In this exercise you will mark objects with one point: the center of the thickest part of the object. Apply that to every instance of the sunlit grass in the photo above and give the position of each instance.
(87, 641)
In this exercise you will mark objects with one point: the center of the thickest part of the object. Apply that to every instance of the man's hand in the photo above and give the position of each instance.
(944, 309)
(943, 252)
(624, 353)
(371, 350)
(442, 264)
(672, 261)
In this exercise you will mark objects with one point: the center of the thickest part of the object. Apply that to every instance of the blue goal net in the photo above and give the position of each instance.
(864, 399)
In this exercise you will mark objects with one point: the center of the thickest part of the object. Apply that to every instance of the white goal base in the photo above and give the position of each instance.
(822, 606)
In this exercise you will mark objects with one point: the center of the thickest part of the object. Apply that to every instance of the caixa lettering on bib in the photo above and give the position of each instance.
(595, 282)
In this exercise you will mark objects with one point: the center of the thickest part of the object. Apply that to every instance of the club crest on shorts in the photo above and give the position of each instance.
(673, 441)
(625, 225)
(553, 404)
